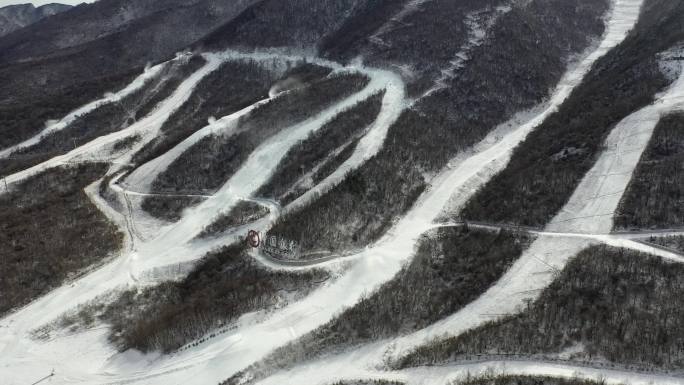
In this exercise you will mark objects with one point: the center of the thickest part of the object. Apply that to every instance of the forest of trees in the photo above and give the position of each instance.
(655, 196)
(503, 379)
(451, 268)
(232, 87)
(23, 118)
(671, 242)
(103, 120)
(274, 23)
(212, 161)
(49, 232)
(426, 39)
(513, 70)
(618, 305)
(243, 213)
(367, 382)
(169, 208)
(306, 155)
(223, 286)
(537, 181)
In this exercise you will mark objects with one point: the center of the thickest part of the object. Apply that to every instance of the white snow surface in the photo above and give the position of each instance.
(592, 207)
(147, 128)
(163, 257)
(531, 273)
(91, 360)
(393, 103)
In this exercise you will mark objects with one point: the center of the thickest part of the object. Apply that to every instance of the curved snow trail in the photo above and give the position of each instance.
(523, 280)
(393, 103)
(147, 128)
(134, 86)
(254, 172)
(28, 356)
(593, 204)
(533, 271)
(380, 262)
(18, 352)
(141, 179)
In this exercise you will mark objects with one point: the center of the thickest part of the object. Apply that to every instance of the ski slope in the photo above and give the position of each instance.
(166, 253)
(135, 85)
(149, 261)
(393, 103)
(143, 176)
(147, 128)
(532, 272)
(592, 206)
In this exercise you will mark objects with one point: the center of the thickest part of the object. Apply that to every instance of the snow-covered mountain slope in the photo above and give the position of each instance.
(138, 245)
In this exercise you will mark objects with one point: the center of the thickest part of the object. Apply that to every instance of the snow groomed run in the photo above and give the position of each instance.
(92, 360)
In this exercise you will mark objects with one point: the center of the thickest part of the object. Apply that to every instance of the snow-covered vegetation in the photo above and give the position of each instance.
(446, 176)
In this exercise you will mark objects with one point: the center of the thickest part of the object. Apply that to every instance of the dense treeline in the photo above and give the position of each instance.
(548, 165)
(210, 162)
(226, 284)
(615, 305)
(655, 196)
(364, 20)
(306, 155)
(671, 242)
(50, 231)
(451, 268)
(298, 24)
(169, 208)
(233, 86)
(243, 213)
(514, 70)
(21, 119)
(427, 39)
(299, 76)
(493, 379)
(368, 382)
(103, 120)
(357, 211)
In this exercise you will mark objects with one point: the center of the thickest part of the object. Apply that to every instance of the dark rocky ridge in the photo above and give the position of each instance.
(14, 17)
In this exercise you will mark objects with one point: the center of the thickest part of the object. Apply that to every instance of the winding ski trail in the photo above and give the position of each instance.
(92, 360)
(380, 262)
(150, 261)
(532, 272)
